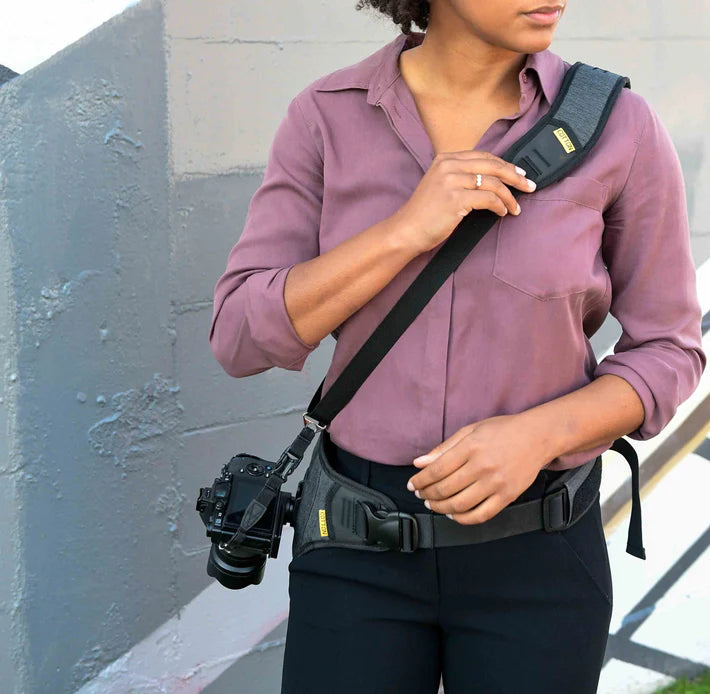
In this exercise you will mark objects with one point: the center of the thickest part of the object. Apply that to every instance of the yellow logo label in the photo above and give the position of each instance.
(322, 523)
(563, 137)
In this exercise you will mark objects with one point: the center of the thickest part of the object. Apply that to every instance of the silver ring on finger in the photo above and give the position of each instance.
(478, 180)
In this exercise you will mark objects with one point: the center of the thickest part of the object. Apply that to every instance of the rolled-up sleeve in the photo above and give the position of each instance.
(646, 248)
(251, 330)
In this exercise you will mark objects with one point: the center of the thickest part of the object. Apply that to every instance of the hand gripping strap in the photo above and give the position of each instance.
(554, 146)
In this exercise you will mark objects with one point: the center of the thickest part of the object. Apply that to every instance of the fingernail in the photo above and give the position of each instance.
(517, 209)
(522, 172)
(410, 486)
(426, 503)
(417, 494)
(448, 515)
(531, 184)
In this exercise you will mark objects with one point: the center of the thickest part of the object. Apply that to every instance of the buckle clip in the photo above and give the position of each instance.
(394, 529)
(556, 511)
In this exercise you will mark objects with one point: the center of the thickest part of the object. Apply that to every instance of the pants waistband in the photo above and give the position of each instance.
(392, 479)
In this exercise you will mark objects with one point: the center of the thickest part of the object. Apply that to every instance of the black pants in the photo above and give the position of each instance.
(527, 614)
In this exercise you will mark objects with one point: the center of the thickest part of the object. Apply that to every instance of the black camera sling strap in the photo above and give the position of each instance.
(554, 146)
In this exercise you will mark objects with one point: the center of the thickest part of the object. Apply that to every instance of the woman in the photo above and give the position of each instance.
(494, 389)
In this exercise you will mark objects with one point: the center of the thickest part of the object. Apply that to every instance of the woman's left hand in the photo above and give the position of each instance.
(482, 468)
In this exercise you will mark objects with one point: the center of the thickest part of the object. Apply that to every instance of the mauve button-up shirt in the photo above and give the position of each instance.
(510, 328)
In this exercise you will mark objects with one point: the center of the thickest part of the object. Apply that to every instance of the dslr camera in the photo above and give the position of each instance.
(222, 507)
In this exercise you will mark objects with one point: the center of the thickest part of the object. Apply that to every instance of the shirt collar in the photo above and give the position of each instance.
(379, 70)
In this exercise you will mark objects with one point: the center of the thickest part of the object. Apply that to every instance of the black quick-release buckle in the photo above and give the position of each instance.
(556, 511)
(394, 529)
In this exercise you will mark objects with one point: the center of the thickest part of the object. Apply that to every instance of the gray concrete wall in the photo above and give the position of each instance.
(89, 391)
(127, 162)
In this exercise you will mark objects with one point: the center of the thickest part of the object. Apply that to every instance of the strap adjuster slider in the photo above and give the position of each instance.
(556, 511)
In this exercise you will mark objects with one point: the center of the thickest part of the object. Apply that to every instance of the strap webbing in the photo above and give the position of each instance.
(440, 531)
(634, 543)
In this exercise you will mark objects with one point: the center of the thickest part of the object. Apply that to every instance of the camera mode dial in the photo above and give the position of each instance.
(255, 469)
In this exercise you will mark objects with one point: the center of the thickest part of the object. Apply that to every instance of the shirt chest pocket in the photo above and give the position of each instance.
(552, 248)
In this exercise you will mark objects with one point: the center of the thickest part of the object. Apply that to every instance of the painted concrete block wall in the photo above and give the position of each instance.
(89, 392)
(127, 162)
(234, 66)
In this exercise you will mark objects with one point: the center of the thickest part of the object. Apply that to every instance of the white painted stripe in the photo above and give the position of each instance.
(622, 678)
(679, 621)
(209, 634)
(676, 517)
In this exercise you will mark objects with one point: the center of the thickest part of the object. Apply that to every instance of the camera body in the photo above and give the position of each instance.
(222, 508)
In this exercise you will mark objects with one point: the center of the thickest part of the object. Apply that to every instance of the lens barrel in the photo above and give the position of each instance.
(238, 569)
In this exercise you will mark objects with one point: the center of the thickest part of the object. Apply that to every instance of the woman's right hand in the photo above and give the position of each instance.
(447, 193)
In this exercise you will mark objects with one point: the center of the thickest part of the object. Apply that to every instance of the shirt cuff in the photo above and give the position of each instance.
(271, 326)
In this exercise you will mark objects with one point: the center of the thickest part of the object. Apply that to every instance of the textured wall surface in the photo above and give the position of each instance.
(90, 396)
(127, 162)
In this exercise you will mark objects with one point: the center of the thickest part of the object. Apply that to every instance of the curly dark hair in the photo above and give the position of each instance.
(402, 12)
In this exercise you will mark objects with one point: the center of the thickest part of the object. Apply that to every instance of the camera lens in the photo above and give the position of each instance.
(237, 569)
